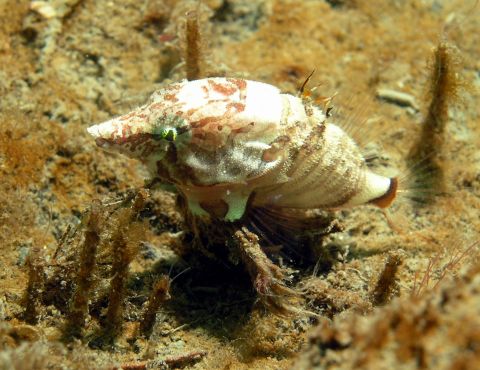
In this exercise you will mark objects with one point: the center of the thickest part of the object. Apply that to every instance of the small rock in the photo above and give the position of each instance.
(397, 97)
(43, 8)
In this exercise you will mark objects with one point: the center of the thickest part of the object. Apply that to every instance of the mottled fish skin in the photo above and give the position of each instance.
(220, 140)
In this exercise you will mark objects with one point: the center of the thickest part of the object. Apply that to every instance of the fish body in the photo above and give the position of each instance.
(228, 142)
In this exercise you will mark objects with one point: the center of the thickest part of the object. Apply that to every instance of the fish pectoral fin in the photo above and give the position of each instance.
(237, 204)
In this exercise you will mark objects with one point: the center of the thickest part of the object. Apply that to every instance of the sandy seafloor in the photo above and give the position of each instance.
(65, 64)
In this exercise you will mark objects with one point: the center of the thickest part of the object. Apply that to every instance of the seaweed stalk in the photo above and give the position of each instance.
(445, 87)
(124, 243)
(268, 279)
(387, 282)
(160, 293)
(193, 44)
(35, 285)
(79, 303)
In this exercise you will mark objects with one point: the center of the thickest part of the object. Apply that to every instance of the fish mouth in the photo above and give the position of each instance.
(104, 134)
(94, 131)
(107, 130)
(100, 140)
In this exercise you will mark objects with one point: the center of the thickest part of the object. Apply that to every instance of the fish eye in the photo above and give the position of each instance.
(169, 134)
